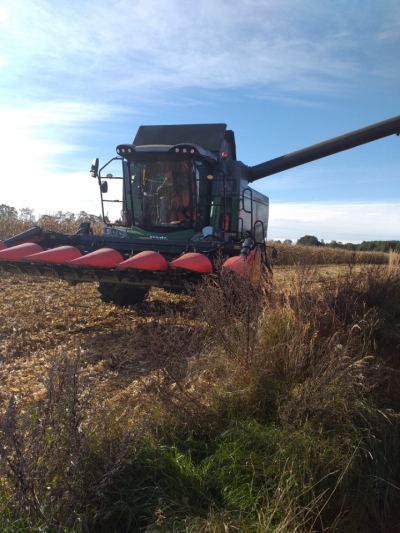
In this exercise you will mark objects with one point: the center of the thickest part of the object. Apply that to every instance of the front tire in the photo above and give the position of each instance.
(122, 295)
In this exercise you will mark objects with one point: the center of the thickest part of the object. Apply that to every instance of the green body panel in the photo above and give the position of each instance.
(231, 210)
(178, 235)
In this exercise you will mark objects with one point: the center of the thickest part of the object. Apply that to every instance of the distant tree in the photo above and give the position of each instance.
(86, 217)
(390, 245)
(367, 246)
(67, 217)
(288, 241)
(70, 217)
(308, 240)
(26, 214)
(8, 212)
(45, 219)
(336, 244)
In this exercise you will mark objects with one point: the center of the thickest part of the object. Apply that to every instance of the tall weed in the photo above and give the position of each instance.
(50, 466)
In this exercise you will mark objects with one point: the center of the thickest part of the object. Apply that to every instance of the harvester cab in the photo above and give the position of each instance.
(177, 207)
(183, 183)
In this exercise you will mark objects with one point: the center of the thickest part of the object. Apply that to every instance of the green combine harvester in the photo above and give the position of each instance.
(186, 211)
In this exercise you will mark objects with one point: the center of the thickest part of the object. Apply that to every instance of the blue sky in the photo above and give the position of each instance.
(78, 78)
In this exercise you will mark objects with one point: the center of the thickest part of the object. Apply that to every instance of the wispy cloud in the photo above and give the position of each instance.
(44, 129)
(141, 45)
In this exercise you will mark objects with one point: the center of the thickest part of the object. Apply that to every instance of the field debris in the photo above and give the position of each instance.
(44, 320)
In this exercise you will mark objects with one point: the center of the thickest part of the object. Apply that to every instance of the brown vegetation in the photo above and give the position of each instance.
(305, 364)
(62, 222)
(324, 255)
(213, 412)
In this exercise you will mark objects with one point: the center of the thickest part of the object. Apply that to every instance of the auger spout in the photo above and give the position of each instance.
(332, 146)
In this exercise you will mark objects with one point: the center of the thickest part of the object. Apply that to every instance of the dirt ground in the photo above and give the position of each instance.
(43, 320)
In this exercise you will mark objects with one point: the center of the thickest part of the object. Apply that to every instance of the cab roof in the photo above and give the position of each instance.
(212, 137)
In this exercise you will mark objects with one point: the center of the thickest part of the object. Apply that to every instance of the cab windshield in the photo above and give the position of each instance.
(165, 193)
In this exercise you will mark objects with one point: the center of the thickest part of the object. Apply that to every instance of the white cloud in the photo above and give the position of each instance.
(346, 222)
(30, 138)
(4, 18)
(25, 139)
(54, 192)
(60, 113)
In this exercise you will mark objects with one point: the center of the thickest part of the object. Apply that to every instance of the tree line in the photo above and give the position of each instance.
(27, 215)
(365, 246)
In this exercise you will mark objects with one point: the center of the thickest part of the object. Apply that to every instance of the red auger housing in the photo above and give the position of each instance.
(185, 207)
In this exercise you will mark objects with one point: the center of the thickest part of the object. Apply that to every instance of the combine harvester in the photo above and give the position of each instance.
(187, 210)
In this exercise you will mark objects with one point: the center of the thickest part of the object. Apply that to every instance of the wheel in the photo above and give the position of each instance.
(121, 294)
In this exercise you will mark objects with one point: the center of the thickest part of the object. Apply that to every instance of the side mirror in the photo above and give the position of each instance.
(104, 187)
(94, 169)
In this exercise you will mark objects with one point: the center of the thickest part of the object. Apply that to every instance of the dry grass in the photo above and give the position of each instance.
(10, 227)
(394, 262)
(122, 351)
(43, 320)
(219, 411)
(323, 255)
